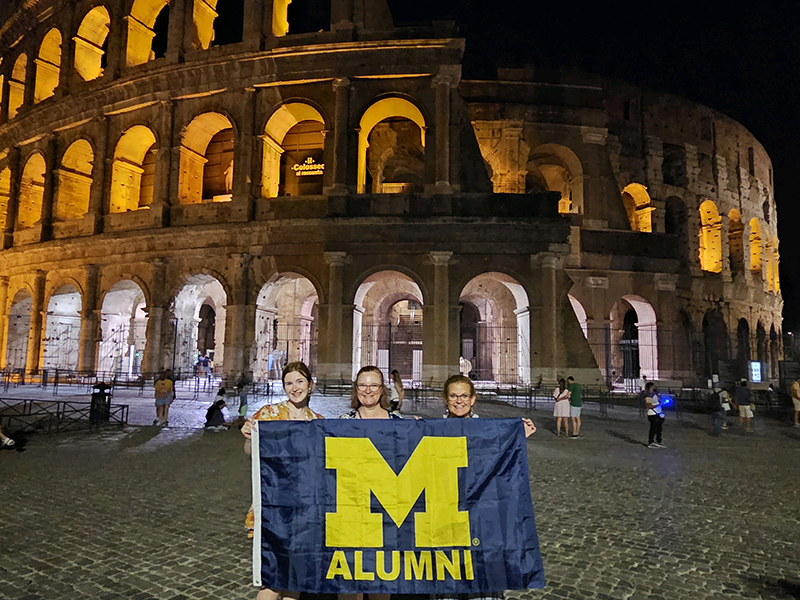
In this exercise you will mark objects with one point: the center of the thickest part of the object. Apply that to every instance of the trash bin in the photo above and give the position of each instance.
(101, 403)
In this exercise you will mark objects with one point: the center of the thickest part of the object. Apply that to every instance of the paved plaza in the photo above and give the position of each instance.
(148, 513)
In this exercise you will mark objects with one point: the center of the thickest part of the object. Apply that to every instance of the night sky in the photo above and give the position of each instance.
(744, 62)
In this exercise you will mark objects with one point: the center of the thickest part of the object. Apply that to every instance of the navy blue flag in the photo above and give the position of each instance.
(394, 506)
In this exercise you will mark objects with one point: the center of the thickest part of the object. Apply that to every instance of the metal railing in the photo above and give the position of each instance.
(59, 415)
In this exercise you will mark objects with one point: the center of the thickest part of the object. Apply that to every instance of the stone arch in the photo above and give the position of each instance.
(499, 342)
(62, 328)
(639, 207)
(74, 182)
(206, 160)
(91, 43)
(133, 170)
(286, 324)
(580, 314)
(715, 341)
(123, 329)
(198, 290)
(294, 120)
(556, 168)
(387, 324)
(756, 250)
(710, 238)
(16, 85)
(634, 339)
(48, 66)
(143, 30)
(5, 195)
(18, 330)
(736, 241)
(390, 108)
(31, 192)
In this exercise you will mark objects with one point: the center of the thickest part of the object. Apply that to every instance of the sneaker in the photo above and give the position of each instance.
(156, 422)
(653, 445)
(8, 442)
(165, 423)
(796, 425)
(574, 436)
(660, 445)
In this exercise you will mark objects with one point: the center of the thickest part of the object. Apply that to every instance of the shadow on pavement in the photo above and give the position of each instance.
(778, 588)
(625, 437)
(139, 438)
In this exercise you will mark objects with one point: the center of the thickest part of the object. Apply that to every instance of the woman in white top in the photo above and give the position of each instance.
(561, 408)
(396, 392)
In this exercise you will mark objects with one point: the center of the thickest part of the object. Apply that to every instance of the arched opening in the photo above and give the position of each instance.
(187, 316)
(776, 260)
(736, 241)
(286, 325)
(387, 325)
(19, 328)
(5, 195)
(300, 16)
(634, 341)
(774, 352)
(676, 222)
(580, 313)
(495, 329)
(91, 44)
(742, 347)
(755, 246)
(16, 85)
(639, 207)
(31, 192)
(229, 24)
(206, 169)
(769, 265)
(715, 341)
(48, 66)
(554, 168)
(282, 176)
(74, 182)
(62, 331)
(392, 161)
(710, 238)
(123, 330)
(148, 24)
(133, 170)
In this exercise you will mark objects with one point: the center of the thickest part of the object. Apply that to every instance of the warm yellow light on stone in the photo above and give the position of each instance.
(769, 266)
(128, 169)
(710, 238)
(203, 17)
(74, 182)
(48, 66)
(776, 271)
(5, 193)
(755, 245)
(89, 52)
(280, 17)
(194, 143)
(140, 30)
(16, 85)
(639, 207)
(31, 192)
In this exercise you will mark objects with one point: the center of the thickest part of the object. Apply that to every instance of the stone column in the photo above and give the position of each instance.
(251, 31)
(153, 357)
(89, 321)
(547, 320)
(30, 81)
(342, 15)
(335, 350)
(443, 83)
(440, 352)
(238, 337)
(13, 197)
(117, 39)
(340, 134)
(243, 155)
(181, 29)
(166, 156)
(67, 71)
(48, 197)
(3, 319)
(101, 176)
(36, 333)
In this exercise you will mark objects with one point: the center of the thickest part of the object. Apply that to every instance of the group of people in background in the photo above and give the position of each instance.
(568, 404)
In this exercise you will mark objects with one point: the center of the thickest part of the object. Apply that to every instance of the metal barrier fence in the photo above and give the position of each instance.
(59, 415)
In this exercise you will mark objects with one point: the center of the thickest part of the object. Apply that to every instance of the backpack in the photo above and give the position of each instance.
(163, 387)
(714, 402)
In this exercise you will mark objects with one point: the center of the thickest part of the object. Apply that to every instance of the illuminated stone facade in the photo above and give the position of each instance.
(317, 184)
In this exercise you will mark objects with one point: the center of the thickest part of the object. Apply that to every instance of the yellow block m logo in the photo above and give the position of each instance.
(360, 469)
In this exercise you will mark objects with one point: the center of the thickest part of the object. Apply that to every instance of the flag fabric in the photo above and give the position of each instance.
(438, 506)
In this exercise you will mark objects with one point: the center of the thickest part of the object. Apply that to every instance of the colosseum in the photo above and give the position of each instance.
(313, 182)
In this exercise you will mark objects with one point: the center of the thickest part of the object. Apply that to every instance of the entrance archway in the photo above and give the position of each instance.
(715, 340)
(387, 325)
(19, 327)
(286, 325)
(495, 329)
(62, 332)
(634, 340)
(188, 314)
(123, 327)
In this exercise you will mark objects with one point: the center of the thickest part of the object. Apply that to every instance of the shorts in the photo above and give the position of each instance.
(574, 411)
(796, 404)
(163, 401)
(745, 411)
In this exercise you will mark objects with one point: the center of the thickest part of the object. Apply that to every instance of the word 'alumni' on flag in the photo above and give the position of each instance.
(393, 506)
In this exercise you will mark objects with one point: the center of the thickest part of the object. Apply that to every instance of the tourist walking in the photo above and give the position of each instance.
(795, 390)
(655, 414)
(742, 399)
(575, 405)
(717, 411)
(561, 408)
(725, 399)
(165, 394)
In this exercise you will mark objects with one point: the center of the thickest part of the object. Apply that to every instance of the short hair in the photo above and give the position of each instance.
(384, 399)
(299, 367)
(570, 378)
(453, 379)
(649, 385)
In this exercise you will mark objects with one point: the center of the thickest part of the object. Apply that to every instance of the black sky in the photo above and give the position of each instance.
(741, 60)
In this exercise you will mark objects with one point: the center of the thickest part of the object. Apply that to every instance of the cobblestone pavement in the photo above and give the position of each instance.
(150, 513)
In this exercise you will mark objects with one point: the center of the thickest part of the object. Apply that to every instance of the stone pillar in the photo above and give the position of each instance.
(243, 154)
(48, 198)
(89, 321)
(342, 15)
(340, 134)
(67, 71)
(546, 321)
(152, 361)
(30, 81)
(3, 319)
(117, 40)
(181, 30)
(36, 333)
(166, 156)
(13, 197)
(101, 176)
(440, 350)
(238, 336)
(252, 29)
(335, 350)
(443, 82)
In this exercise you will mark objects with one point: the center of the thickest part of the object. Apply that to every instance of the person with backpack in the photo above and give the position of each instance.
(165, 394)
(717, 411)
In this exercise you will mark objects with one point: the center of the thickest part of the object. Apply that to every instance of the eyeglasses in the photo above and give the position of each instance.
(372, 387)
(462, 397)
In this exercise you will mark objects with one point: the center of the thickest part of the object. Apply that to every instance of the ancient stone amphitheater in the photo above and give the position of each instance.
(311, 182)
